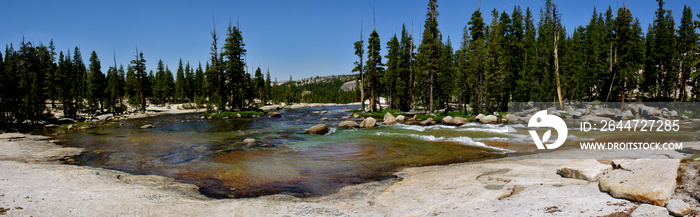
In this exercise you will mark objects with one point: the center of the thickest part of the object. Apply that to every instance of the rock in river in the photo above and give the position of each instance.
(368, 123)
(389, 119)
(348, 124)
(275, 114)
(489, 119)
(146, 126)
(319, 129)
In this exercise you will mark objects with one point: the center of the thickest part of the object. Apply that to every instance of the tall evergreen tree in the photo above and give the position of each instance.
(234, 67)
(393, 69)
(495, 76)
(359, 67)
(687, 51)
(629, 52)
(180, 83)
(476, 61)
(404, 82)
(96, 83)
(374, 68)
(659, 75)
(446, 78)
(429, 53)
(139, 67)
(259, 85)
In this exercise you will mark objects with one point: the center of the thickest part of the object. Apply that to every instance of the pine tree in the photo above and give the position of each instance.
(629, 53)
(513, 29)
(132, 87)
(169, 85)
(139, 68)
(234, 67)
(429, 53)
(114, 90)
(180, 83)
(359, 67)
(199, 85)
(476, 61)
(658, 73)
(494, 77)
(79, 75)
(393, 69)
(687, 51)
(268, 88)
(446, 77)
(292, 95)
(189, 82)
(404, 82)
(96, 84)
(374, 68)
(259, 85)
(216, 77)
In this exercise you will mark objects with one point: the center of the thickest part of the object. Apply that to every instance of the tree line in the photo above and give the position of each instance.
(36, 81)
(515, 59)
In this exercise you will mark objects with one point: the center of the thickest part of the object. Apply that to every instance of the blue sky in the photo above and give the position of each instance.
(301, 38)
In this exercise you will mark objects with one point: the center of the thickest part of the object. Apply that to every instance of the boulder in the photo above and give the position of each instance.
(646, 210)
(249, 140)
(459, 121)
(275, 114)
(348, 124)
(648, 112)
(479, 117)
(147, 126)
(427, 122)
(319, 129)
(389, 119)
(489, 119)
(400, 118)
(368, 123)
(643, 180)
(678, 207)
(324, 119)
(588, 169)
(447, 120)
(511, 118)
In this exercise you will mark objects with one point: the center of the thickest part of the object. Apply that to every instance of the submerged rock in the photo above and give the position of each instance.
(319, 129)
(147, 126)
(275, 114)
(348, 124)
(368, 123)
(643, 180)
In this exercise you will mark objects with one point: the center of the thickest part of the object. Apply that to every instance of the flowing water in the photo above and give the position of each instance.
(211, 153)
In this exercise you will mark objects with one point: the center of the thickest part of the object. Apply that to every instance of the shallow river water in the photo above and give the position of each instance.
(211, 153)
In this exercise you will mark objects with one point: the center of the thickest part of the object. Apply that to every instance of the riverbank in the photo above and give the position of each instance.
(34, 182)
